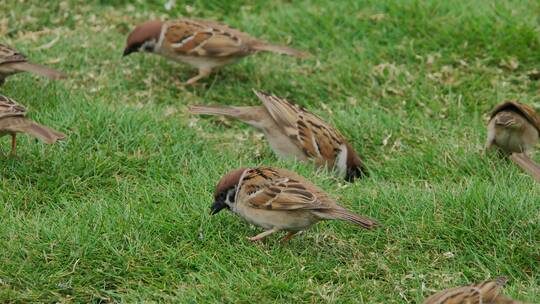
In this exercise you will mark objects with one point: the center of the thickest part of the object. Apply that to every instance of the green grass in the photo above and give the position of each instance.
(120, 211)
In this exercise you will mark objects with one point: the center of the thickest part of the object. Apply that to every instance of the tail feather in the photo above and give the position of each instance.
(215, 110)
(280, 50)
(39, 69)
(500, 299)
(527, 164)
(362, 221)
(43, 133)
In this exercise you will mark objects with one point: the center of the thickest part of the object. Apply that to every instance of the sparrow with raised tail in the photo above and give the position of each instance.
(487, 292)
(278, 199)
(13, 121)
(12, 62)
(292, 131)
(202, 44)
(514, 129)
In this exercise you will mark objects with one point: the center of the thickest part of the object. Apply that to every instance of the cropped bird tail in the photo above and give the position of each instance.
(265, 47)
(527, 164)
(346, 215)
(43, 133)
(40, 70)
(215, 110)
(505, 300)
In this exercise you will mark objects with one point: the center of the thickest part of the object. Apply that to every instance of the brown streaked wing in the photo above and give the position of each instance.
(531, 116)
(526, 110)
(10, 108)
(458, 295)
(326, 139)
(10, 55)
(199, 38)
(263, 189)
(490, 289)
(315, 137)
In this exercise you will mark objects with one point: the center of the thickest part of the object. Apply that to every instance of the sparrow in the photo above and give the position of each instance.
(13, 120)
(278, 199)
(202, 44)
(484, 293)
(514, 128)
(12, 62)
(292, 131)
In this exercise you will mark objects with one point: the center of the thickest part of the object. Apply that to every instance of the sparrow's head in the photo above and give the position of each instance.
(144, 37)
(355, 166)
(226, 190)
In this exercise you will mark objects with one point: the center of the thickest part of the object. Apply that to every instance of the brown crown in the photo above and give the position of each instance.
(229, 180)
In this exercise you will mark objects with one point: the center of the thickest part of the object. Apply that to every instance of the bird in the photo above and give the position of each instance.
(13, 120)
(279, 200)
(513, 129)
(294, 132)
(12, 62)
(487, 292)
(203, 44)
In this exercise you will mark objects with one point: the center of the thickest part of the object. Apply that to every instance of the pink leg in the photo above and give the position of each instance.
(260, 236)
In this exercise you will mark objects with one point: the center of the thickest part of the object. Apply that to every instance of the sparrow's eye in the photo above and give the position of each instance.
(222, 197)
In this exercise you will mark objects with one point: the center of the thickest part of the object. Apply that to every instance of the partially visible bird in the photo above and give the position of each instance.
(487, 292)
(292, 131)
(203, 44)
(279, 200)
(12, 62)
(13, 121)
(514, 129)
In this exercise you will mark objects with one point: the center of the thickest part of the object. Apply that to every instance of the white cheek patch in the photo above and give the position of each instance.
(148, 46)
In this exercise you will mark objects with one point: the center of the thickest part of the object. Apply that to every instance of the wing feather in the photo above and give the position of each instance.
(10, 55)
(268, 190)
(191, 37)
(316, 138)
(10, 108)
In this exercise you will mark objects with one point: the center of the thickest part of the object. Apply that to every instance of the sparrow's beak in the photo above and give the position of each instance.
(128, 50)
(217, 207)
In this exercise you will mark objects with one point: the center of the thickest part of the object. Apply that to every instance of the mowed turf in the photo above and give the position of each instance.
(119, 212)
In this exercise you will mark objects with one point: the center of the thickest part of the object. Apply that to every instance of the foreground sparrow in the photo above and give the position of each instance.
(292, 131)
(13, 121)
(277, 199)
(484, 293)
(12, 62)
(513, 129)
(202, 44)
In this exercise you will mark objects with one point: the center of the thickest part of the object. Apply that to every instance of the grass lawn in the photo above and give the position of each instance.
(120, 211)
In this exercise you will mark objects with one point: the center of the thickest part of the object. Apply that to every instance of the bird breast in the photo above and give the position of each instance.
(516, 140)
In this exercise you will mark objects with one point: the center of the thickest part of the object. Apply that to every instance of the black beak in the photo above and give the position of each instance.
(128, 51)
(217, 207)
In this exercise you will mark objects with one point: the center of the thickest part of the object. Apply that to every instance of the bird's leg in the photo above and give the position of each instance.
(260, 236)
(203, 73)
(289, 236)
(13, 152)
